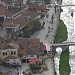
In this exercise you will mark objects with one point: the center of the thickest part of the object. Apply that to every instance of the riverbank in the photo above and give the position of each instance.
(64, 67)
(61, 35)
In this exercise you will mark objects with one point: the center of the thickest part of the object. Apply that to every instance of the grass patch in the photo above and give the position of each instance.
(64, 67)
(61, 35)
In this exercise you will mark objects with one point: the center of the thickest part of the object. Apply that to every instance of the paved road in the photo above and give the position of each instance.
(47, 36)
(11, 71)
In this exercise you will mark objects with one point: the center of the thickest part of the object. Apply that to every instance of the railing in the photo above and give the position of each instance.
(57, 5)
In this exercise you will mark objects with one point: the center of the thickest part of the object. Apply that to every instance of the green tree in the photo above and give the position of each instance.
(31, 27)
(36, 25)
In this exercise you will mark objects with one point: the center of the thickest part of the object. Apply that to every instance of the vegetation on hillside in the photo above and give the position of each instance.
(31, 27)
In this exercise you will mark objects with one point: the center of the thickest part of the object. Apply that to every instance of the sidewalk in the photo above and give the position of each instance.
(47, 36)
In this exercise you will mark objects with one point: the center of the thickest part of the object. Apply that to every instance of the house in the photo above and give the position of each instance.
(34, 43)
(30, 49)
(39, 7)
(30, 14)
(9, 8)
(8, 50)
(14, 25)
(19, 22)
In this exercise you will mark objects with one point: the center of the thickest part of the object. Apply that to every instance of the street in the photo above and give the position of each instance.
(13, 71)
(46, 36)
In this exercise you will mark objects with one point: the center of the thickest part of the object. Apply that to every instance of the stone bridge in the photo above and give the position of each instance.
(63, 45)
(57, 5)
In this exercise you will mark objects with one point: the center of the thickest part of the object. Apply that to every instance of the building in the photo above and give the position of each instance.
(31, 48)
(19, 22)
(7, 51)
(39, 7)
(5, 15)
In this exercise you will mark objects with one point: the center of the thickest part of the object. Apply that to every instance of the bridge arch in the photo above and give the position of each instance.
(63, 47)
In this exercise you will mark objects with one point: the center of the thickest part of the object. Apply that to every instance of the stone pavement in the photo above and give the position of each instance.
(46, 36)
(11, 71)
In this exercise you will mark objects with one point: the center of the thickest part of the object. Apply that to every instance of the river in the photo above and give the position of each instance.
(69, 21)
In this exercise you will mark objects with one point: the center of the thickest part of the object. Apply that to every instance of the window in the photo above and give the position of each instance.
(14, 53)
(11, 53)
(3, 53)
(6, 53)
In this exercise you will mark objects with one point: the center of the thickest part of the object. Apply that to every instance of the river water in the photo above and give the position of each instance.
(69, 21)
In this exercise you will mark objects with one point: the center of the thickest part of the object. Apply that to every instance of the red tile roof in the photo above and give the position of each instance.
(37, 6)
(15, 22)
(25, 42)
(11, 11)
(1, 9)
(21, 20)
(31, 46)
(34, 42)
(30, 13)
(42, 46)
(4, 46)
(24, 51)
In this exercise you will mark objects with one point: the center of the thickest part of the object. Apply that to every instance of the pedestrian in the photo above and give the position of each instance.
(23, 72)
(17, 69)
(17, 73)
(46, 35)
(49, 28)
